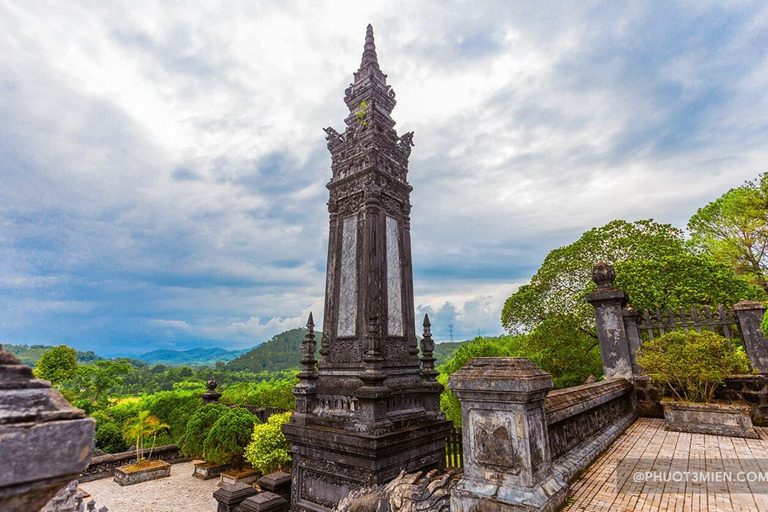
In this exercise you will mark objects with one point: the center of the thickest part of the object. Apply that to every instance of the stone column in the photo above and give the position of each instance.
(633, 337)
(608, 303)
(507, 461)
(749, 315)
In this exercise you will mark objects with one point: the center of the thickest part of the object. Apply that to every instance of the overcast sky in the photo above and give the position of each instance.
(163, 164)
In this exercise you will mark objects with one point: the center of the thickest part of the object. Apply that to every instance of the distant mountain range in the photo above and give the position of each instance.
(282, 352)
(192, 357)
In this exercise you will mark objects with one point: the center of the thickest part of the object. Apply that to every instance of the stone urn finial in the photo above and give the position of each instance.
(603, 275)
(212, 384)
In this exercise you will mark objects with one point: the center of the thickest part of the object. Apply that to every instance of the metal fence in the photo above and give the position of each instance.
(454, 449)
(657, 323)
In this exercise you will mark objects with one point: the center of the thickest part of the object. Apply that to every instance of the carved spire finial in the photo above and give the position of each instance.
(310, 324)
(603, 275)
(369, 50)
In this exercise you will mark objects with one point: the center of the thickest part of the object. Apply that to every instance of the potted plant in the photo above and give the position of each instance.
(226, 442)
(137, 430)
(192, 442)
(692, 365)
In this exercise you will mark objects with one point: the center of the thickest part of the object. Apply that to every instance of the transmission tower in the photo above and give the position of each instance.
(450, 331)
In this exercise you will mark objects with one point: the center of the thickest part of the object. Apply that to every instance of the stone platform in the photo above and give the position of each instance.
(646, 447)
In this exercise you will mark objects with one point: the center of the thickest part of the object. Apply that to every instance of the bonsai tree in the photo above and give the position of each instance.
(692, 364)
(198, 428)
(139, 428)
(269, 450)
(229, 436)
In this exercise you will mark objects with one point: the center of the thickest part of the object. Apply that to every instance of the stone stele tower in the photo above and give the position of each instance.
(370, 408)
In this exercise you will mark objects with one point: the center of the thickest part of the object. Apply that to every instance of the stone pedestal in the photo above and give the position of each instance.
(243, 476)
(328, 464)
(44, 442)
(749, 316)
(131, 475)
(264, 502)
(278, 483)
(507, 464)
(614, 342)
(231, 496)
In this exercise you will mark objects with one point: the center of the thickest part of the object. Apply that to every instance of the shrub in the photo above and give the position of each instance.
(198, 428)
(109, 438)
(269, 450)
(692, 364)
(229, 436)
(174, 408)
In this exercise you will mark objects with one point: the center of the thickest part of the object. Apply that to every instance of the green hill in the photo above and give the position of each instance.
(282, 352)
(31, 354)
(194, 356)
(445, 350)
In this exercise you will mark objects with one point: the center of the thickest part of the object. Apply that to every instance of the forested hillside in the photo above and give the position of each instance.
(194, 356)
(282, 352)
(31, 354)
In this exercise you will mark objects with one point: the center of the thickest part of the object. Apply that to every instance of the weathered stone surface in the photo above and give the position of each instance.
(278, 483)
(368, 411)
(414, 492)
(713, 418)
(209, 470)
(348, 284)
(578, 414)
(749, 316)
(243, 476)
(70, 499)
(264, 502)
(45, 441)
(507, 460)
(521, 448)
(131, 476)
(231, 496)
(104, 466)
(611, 332)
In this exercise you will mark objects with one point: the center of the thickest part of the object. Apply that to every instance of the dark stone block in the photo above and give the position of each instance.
(230, 496)
(752, 398)
(264, 502)
(278, 483)
(654, 394)
(756, 383)
(640, 394)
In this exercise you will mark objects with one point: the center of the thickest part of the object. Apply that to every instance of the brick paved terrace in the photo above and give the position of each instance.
(665, 460)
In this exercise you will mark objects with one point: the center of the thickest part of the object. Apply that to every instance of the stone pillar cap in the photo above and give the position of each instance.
(265, 501)
(748, 304)
(234, 493)
(514, 375)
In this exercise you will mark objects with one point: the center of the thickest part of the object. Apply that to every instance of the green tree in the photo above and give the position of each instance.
(565, 276)
(57, 365)
(141, 427)
(109, 437)
(734, 230)
(229, 436)
(95, 381)
(653, 265)
(198, 428)
(269, 450)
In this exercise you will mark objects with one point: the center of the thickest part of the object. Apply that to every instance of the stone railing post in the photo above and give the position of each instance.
(749, 315)
(507, 461)
(608, 303)
(633, 337)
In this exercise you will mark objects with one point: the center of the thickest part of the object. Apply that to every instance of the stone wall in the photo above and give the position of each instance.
(523, 442)
(752, 390)
(577, 414)
(104, 465)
